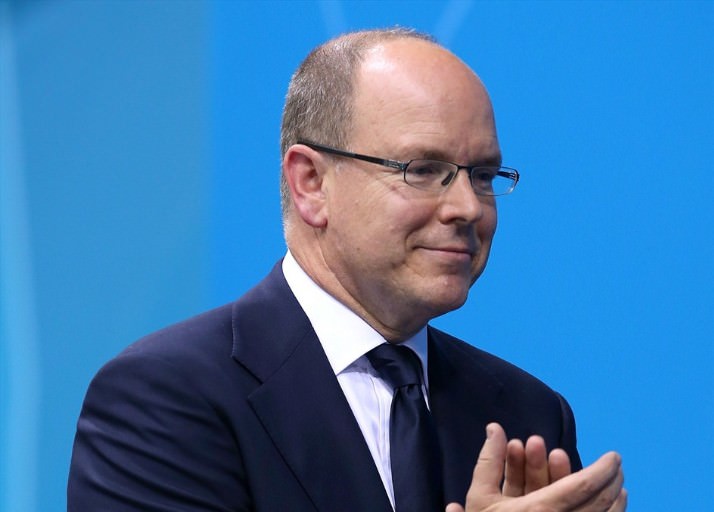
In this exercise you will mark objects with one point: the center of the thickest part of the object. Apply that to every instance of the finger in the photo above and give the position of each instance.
(606, 498)
(454, 507)
(536, 473)
(515, 482)
(620, 503)
(488, 472)
(558, 464)
(580, 490)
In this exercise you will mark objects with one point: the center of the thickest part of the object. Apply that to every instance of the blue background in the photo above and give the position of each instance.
(139, 168)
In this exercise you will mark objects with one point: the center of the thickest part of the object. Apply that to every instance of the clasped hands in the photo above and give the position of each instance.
(536, 481)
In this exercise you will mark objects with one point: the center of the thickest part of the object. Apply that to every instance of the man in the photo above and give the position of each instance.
(278, 401)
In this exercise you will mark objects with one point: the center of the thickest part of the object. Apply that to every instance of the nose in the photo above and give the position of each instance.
(459, 202)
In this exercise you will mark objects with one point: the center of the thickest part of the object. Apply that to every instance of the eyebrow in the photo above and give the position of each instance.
(432, 154)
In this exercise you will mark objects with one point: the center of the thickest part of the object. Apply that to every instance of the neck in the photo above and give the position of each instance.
(315, 265)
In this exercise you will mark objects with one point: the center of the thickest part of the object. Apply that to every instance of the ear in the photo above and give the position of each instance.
(304, 170)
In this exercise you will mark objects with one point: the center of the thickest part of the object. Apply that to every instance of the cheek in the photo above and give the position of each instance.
(357, 228)
(485, 230)
(486, 226)
(384, 213)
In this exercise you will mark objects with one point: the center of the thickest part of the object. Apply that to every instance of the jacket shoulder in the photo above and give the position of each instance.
(460, 353)
(203, 335)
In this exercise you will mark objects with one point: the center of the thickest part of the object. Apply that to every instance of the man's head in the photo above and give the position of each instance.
(319, 102)
(395, 254)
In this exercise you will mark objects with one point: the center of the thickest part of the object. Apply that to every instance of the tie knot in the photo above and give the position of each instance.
(397, 365)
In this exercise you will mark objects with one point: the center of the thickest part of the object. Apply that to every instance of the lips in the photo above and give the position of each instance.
(464, 250)
(453, 253)
(460, 249)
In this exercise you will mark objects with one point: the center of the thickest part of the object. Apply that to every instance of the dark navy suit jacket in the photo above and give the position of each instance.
(238, 409)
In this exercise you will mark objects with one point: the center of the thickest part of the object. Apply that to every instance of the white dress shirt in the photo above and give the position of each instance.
(346, 338)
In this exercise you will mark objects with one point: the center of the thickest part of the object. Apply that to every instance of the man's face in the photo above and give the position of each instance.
(403, 254)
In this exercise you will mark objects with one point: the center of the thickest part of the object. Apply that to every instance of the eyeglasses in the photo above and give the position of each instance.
(435, 175)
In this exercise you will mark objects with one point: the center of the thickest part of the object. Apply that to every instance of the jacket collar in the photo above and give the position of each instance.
(299, 401)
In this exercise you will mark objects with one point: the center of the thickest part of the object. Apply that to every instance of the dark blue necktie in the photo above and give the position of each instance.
(414, 450)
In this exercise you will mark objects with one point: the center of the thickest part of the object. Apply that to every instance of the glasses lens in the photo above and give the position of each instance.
(434, 175)
(493, 181)
(429, 174)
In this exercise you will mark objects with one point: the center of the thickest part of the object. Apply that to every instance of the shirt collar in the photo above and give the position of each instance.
(345, 337)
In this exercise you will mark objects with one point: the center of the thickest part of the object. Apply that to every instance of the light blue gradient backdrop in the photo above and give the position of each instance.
(139, 172)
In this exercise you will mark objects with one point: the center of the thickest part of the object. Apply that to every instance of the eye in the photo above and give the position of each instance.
(425, 169)
(429, 173)
(484, 175)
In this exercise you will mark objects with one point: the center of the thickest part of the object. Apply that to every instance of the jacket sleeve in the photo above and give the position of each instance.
(149, 440)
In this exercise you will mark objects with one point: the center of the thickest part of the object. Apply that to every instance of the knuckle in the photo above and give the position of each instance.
(588, 488)
(606, 499)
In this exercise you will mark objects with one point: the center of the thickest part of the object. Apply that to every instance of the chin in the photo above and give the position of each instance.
(446, 302)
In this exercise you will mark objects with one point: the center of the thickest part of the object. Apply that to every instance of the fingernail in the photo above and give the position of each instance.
(489, 431)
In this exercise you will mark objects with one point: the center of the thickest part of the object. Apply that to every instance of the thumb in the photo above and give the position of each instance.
(454, 507)
(488, 472)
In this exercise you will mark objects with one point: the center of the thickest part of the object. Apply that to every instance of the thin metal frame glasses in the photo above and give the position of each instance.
(436, 175)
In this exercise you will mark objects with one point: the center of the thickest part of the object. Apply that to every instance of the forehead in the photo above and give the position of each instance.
(413, 94)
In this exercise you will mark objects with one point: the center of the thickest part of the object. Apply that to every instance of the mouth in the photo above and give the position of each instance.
(452, 253)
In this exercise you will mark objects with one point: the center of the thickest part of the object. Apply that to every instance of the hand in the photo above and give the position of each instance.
(595, 488)
(528, 468)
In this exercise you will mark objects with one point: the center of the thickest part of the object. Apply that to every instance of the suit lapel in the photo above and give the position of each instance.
(300, 403)
(464, 399)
